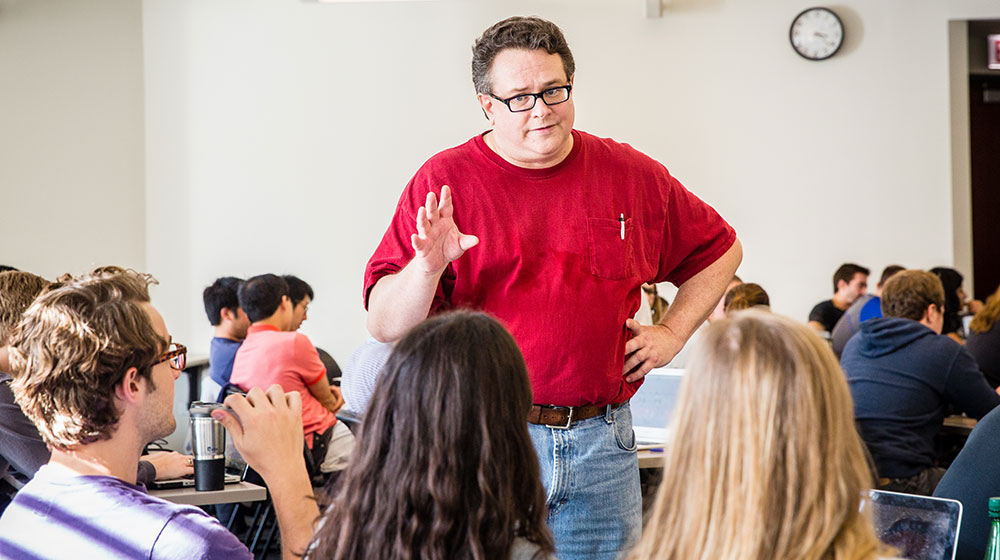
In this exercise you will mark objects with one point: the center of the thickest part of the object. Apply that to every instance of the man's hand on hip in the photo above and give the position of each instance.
(438, 241)
(650, 347)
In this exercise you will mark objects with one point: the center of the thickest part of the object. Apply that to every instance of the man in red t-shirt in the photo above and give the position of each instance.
(570, 225)
(270, 355)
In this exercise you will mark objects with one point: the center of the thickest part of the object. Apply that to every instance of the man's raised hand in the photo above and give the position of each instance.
(438, 241)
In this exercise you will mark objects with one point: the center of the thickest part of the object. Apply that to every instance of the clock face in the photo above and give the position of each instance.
(816, 33)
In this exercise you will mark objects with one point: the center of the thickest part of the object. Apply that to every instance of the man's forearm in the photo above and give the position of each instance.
(698, 296)
(398, 302)
(296, 510)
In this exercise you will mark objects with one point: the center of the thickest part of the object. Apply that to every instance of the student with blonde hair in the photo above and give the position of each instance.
(765, 462)
(984, 339)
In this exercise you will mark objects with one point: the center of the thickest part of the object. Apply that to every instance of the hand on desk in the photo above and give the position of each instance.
(170, 464)
(650, 347)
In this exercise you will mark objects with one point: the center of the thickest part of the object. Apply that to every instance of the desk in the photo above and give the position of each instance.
(650, 459)
(242, 492)
(959, 424)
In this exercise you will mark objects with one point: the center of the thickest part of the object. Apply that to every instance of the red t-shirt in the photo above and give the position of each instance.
(552, 264)
(268, 356)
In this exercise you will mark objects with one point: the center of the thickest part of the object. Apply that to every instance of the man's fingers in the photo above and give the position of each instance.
(423, 224)
(417, 243)
(255, 397)
(229, 422)
(645, 368)
(446, 200)
(632, 345)
(467, 242)
(634, 326)
(294, 401)
(632, 360)
(432, 207)
(276, 395)
(238, 403)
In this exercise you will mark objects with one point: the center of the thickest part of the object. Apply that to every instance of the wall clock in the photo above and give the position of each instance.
(816, 33)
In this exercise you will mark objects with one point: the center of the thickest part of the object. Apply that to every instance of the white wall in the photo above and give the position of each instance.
(275, 135)
(71, 135)
(280, 132)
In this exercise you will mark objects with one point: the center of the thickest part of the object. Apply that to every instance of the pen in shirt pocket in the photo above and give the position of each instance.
(621, 220)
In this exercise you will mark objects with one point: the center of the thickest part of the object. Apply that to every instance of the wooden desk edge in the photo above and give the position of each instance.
(650, 459)
(242, 492)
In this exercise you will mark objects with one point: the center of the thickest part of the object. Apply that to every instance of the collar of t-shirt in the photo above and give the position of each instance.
(261, 328)
(526, 172)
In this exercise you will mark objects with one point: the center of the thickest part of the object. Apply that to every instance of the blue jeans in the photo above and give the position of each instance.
(591, 476)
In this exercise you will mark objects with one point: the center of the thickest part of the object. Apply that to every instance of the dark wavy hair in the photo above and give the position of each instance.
(528, 33)
(444, 467)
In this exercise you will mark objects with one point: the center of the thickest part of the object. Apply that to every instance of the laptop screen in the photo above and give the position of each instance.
(919, 527)
(653, 403)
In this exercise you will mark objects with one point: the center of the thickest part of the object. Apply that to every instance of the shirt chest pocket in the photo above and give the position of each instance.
(610, 248)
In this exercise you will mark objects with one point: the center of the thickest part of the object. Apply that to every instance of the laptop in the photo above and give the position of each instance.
(188, 481)
(653, 404)
(236, 471)
(919, 527)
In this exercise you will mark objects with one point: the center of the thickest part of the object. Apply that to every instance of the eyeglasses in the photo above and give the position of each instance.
(177, 357)
(526, 101)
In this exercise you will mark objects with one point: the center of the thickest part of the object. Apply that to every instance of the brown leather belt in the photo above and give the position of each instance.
(564, 416)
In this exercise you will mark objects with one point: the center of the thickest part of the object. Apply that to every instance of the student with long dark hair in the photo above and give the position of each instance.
(444, 467)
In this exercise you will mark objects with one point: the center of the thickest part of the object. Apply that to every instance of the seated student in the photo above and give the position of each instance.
(865, 307)
(956, 303)
(445, 468)
(657, 304)
(222, 305)
(361, 374)
(271, 354)
(984, 339)
(94, 369)
(301, 294)
(905, 379)
(680, 360)
(850, 282)
(21, 446)
(769, 464)
(746, 296)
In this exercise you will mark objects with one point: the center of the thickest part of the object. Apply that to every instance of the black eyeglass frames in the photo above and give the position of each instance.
(526, 101)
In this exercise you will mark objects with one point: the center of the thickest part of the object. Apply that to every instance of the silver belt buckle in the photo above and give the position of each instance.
(569, 420)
